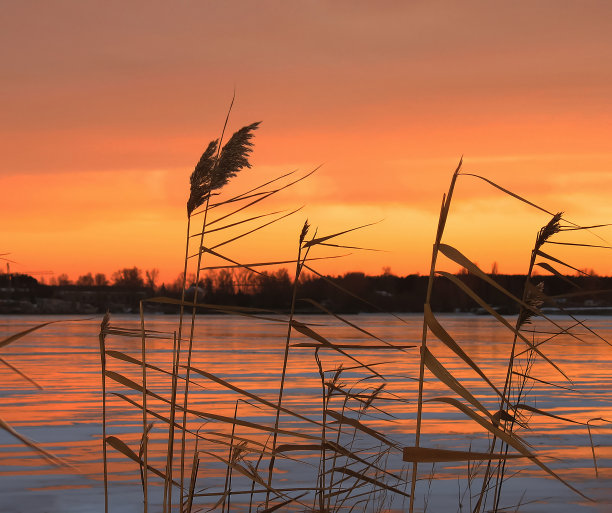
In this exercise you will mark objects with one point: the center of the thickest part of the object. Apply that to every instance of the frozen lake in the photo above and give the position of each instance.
(65, 417)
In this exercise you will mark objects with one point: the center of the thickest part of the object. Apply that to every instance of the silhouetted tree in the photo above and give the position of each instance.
(63, 279)
(128, 277)
(152, 276)
(100, 280)
(85, 280)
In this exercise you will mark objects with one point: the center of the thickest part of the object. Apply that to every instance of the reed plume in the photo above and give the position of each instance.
(214, 169)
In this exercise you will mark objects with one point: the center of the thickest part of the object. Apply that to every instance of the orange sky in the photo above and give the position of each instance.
(106, 107)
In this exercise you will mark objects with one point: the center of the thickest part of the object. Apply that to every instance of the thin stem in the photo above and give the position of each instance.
(298, 269)
(102, 338)
(145, 445)
(176, 360)
(434, 256)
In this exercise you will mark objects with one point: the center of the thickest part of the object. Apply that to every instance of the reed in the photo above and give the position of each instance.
(347, 448)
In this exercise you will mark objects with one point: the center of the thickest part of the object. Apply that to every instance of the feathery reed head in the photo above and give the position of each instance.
(305, 229)
(549, 230)
(535, 299)
(213, 171)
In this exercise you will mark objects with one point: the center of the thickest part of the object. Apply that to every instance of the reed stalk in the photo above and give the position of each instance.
(145, 437)
(446, 202)
(102, 339)
(298, 268)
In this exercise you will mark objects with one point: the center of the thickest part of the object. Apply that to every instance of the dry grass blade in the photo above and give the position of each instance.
(349, 293)
(361, 427)
(250, 395)
(251, 192)
(509, 193)
(16, 336)
(459, 258)
(336, 448)
(449, 380)
(130, 359)
(319, 240)
(17, 371)
(552, 270)
(533, 409)
(260, 198)
(237, 223)
(552, 258)
(133, 385)
(352, 346)
(267, 264)
(509, 438)
(149, 411)
(252, 425)
(260, 227)
(33, 445)
(526, 376)
(579, 245)
(122, 447)
(233, 310)
(351, 324)
(282, 504)
(370, 480)
(250, 474)
(310, 333)
(503, 321)
(429, 455)
(442, 335)
(344, 246)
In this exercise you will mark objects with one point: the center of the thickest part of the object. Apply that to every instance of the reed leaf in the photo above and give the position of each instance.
(361, 427)
(438, 330)
(553, 259)
(554, 271)
(121, 446)
(370, 480)
(310, 333)
(17, 371)
(16, 336)
(449, 380)
(319, 240)
(429, 455)
(510, 438)
(250, 395)
(503, 321)
(51, 458)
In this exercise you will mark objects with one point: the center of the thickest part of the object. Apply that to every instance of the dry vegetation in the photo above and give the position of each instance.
(344, 450)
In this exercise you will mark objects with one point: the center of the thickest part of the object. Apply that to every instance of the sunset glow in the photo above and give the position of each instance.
(107, 108)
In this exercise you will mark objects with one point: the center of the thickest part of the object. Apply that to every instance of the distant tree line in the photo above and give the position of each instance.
(349, 293)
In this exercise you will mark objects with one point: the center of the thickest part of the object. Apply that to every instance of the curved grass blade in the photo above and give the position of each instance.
(552, 258)
(122, 447)
(252, 231)
(449, 380)
(438, 330)
(490, 310)
(24, 376)
(361, 427)
(552, 270)
(370, 480)
(319, 240)
(509, 193)
(310, 333)
(51, 458)
(16, 336)
(510, 439)
(246, 393)
(429, 455)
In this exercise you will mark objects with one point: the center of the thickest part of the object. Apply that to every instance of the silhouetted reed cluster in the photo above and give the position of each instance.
(246, 459)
